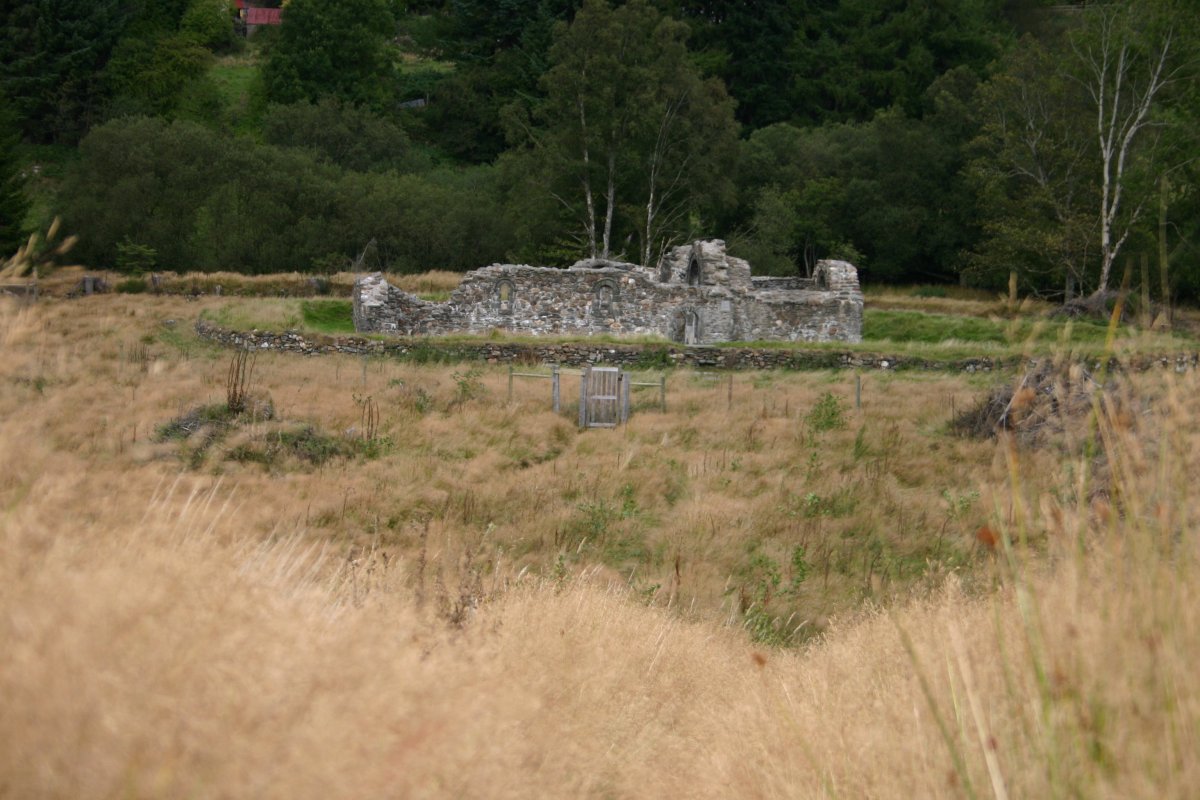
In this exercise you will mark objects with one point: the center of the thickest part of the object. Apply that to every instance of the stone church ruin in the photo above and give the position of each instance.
(698, 294)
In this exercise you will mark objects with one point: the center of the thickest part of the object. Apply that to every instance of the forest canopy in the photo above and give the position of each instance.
(926, 142)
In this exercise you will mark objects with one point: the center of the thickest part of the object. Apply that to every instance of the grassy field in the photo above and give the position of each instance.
(934, 336)
(237, 78)
(332, 317)
(734, 484)
(379, 578)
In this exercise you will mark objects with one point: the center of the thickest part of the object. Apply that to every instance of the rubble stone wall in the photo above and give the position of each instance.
(696, 295)
(654, 356)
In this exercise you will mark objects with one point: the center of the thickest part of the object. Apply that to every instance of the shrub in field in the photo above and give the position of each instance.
(827, 415)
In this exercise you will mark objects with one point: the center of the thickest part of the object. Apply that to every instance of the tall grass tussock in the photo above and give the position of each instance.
(763, 592)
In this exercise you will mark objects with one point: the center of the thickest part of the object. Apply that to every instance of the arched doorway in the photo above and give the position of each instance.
(691, 326)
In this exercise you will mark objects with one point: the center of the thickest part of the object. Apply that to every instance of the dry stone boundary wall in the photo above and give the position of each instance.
(572, 354)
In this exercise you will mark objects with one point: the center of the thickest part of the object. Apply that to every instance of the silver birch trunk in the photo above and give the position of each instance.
(589, 220)
(1119, 121)
(610, 199)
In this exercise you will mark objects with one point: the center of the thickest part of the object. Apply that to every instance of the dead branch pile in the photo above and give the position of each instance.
(1047, 401)
(1098, 306)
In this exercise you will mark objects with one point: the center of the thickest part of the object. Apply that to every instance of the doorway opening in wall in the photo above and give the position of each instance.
(691, 326)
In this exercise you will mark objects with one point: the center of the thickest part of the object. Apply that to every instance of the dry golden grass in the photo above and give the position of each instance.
(64, 280)
(432, 282)
(238, 630)
(685, 501)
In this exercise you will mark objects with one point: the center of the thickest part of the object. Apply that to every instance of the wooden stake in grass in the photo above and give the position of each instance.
(1144, 317)
(1163, 256)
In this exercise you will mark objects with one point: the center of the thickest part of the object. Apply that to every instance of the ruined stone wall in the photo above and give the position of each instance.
(824, 308)
(380, 307)
(771, 283)
(654, 356)
(705, 263)
(697, 295)
(540, 300)
(544, 301)
(800, 316)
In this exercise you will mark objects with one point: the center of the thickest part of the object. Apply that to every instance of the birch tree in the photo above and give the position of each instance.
(1126, 64)
(628, 127)
(1033, 175)
(1072, 147)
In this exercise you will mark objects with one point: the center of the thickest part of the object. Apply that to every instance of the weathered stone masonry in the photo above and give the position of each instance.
(698, 294)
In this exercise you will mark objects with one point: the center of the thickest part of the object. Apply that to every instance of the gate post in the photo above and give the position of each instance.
(624, 393)
(583, 396)
(554, 386)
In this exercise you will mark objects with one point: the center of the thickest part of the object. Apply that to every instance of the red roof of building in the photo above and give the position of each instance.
(264, 16)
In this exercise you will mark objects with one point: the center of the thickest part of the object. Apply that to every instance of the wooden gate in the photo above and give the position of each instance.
(603, 397)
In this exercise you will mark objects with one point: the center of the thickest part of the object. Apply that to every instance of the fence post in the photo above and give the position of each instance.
(662, 393)
(554, 387)
(624, 392)
(858, 390)
(1144, 317)
(510, 377)
(583, 393)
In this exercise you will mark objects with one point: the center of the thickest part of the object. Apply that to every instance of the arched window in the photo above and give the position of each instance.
(605, 303)
(505, 292)
(693, 275)
(821, 279)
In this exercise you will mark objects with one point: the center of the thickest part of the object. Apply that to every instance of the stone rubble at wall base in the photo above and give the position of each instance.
(698, 294)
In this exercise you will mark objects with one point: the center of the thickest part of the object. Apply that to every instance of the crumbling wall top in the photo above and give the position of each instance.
(704, 263)
(603, 263)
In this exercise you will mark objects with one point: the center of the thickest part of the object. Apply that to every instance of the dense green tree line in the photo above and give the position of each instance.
(197, 200)
(924, 140)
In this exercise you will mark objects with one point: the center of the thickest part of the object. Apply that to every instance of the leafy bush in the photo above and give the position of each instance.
(342, 134)
(828, 414)
(654, 358)
(209, 23)
(468, 385)
(311, 445)
(132, 286)
(134, 258)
